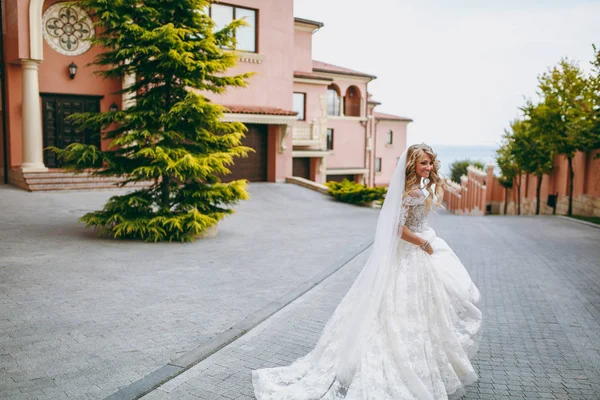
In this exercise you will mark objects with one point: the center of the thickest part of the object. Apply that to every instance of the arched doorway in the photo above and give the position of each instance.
(352, 102)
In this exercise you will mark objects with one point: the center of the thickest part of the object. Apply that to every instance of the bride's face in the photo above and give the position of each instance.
(424, 166)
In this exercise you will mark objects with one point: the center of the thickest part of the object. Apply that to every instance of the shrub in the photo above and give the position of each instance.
(355, 193)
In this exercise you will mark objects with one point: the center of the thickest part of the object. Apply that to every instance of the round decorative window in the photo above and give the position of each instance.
(67, 29)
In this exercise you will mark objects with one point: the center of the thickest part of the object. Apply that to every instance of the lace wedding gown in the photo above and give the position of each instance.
(425, 331)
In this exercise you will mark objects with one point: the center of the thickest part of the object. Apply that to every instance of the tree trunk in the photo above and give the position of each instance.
(505, 199)
(519, 195)
(165, 195)
(571, 174)
(538, 193)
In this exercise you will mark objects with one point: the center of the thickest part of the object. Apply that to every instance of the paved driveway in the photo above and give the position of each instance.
(81, 317)
(540, 281)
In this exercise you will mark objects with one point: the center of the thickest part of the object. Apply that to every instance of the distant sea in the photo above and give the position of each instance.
(448, 154)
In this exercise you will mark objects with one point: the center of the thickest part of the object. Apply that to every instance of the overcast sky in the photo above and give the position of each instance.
(459, 69)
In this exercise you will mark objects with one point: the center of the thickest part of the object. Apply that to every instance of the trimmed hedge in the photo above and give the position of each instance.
(355, 193)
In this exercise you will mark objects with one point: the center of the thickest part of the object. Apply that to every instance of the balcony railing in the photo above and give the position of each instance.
(306, 134)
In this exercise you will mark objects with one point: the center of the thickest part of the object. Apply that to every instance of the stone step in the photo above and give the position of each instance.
(80, 186)
(62, 179)
(71, 179)
(55, 174)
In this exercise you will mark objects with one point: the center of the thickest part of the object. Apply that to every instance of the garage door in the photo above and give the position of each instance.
(301, 167)
(254, 167)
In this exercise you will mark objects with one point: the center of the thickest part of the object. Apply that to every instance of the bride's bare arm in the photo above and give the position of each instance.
(410, 237)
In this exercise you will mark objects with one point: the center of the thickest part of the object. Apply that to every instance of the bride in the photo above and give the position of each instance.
(408, 325)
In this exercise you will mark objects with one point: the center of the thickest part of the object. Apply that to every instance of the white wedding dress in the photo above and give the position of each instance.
(417, 345)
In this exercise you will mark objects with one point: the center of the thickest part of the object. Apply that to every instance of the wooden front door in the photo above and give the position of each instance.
(60, 132)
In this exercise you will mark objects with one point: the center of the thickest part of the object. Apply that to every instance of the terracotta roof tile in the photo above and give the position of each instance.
(391, 117)
(237, 109)
(319, 66)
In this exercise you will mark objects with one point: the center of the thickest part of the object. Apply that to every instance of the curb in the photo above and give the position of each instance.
(308, 184)
(579, 221)
(155, 379)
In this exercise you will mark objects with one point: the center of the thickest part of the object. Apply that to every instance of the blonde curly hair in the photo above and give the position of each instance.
(434, 184)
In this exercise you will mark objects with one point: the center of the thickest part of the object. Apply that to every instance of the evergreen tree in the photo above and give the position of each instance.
(171, 135)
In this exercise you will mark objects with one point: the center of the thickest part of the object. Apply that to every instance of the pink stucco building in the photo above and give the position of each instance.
(306, 118)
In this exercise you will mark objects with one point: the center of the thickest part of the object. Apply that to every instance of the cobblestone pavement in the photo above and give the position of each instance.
(540, 281)
(81, 317)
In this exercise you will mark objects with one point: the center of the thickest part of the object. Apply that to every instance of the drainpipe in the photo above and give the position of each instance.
(366, 125)
(375, 122)
(3, 94)
(370, 181)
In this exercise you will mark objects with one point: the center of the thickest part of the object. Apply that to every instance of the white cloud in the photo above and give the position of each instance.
(460, 73)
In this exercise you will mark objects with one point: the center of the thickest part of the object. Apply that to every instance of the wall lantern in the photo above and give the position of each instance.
(72, 70)
(114, 107)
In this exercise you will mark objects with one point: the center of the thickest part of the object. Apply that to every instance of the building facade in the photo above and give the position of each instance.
(305, 118)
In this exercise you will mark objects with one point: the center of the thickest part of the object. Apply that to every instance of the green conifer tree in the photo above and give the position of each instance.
(171, 135)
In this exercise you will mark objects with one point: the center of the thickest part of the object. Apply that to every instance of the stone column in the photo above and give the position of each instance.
(475, 195)
(322, 171)
(363, 109)
(32, 137)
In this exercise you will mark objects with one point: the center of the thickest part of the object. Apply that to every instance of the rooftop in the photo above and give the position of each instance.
(311, 75)
(308, 22)
(319, 66)
(237, 109)
(391, 117)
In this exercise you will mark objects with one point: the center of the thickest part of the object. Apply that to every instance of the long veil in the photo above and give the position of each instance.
(368, 288)
(329, 369)
(369, 347)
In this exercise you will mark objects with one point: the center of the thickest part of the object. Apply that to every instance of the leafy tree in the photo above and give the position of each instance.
(591, 141)
(459, 168)
(172, 135)
(535, 139)
(568, 106)
(509, 168)
(507, 183)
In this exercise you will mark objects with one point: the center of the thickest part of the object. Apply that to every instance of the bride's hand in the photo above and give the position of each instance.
(428, 249)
